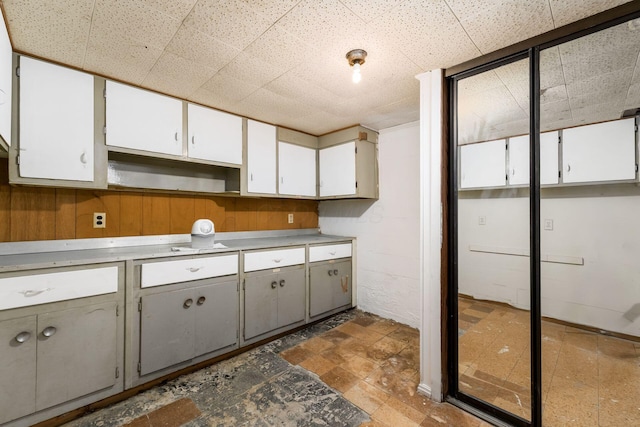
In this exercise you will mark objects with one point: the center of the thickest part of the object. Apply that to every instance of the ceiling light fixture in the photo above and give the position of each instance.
(356, 59)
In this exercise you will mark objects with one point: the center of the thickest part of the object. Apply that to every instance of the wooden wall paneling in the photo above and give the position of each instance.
(5, 213)
(182, 214)
(246, 215)
(156, 218)
(131, 214)
(229, 206)
(65, 213)
(33, 214)
(265, 209)
(88, 202)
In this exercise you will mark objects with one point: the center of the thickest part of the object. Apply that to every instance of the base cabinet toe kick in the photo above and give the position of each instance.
(71, 336)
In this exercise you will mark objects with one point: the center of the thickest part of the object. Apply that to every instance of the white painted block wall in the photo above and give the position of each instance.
(387, 229)
(598, 224)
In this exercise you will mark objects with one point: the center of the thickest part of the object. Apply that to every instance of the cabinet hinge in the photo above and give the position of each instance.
(17, 160)
(117, 372)
(636, 167)
(104, 92)
(356, 150)
(104, 130)
(140, 305)
(17, 71)
(139, 367)
(559, 139)
(244, 284)
(559, 174)
(244, 333)
(117, 310)
(506, 146)
(356, 184)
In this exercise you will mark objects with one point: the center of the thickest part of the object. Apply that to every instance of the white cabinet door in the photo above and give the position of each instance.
(483, 164)
(599, 152)
(338, 170)
(214, 135)
(6, 73)
(56, 122)
(297, 169)
(261, 158)
(143, 120)
(518, 169)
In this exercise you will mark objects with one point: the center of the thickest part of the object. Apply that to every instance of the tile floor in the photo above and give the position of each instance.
(354, 369)
(588, 379)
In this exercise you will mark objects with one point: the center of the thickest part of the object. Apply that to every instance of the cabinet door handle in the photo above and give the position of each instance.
(274, 284)
(23, 337)
(513, 172)
(187, 303)
(330, 273)
(281, 180)
(193, 139)
(193, 269)
(176, 136)
(251, 175)
(201, 300)
(83, 158)
(282, 282)
(335, 272)
(568, 168)
(49, 331)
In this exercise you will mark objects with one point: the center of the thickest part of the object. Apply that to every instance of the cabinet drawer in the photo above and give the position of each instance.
(326, 252)
(184, 270)
(36, 289)
(265, 260)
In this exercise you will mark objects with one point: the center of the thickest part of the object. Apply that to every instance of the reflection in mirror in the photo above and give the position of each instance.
(590, 233)
(493, 266)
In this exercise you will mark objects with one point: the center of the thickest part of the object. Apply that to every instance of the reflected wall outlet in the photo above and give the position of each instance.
(482, 220)
(99, 220)
(290, 218)
(548, 224)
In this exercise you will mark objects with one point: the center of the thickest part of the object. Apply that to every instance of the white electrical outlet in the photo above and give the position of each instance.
(548, 224)
(99, 220)
(482, 220)
(290, 218)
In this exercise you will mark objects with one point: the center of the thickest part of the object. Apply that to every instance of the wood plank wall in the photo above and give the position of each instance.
(38, 213)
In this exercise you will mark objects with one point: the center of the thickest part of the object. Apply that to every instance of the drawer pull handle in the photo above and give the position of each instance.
(187, 303)
(274, 284)
(193, 269)
(277, 260)
(31, 293)
(332, 252)
(335, 272)
(282, 282)
(201, 300)
(330, 273)
(23, 337)
(49, 331)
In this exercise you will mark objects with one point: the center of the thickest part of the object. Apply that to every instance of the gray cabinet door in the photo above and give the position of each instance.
(260, 304)
(17, 368)
(291, 297)
(216, 316)
(76, 353)
(329, 287)
(166, 329)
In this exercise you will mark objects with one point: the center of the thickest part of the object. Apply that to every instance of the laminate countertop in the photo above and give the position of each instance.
(58, 253)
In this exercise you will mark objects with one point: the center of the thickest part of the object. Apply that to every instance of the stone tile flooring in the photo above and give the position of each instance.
(354, 369)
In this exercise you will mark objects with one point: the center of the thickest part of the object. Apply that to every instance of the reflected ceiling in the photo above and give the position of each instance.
(283, 61)
(590, 79)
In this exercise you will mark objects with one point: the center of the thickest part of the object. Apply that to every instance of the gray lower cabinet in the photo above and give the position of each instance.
(55, 357)
(330, 286)
(273, 300)
(179, 325)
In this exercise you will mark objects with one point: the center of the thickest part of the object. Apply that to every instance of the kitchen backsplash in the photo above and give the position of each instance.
(36, 213)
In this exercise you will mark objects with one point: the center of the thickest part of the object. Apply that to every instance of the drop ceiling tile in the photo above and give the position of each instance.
(633, 97)
(228, 88)
(500, 23)
(567, 11)
(607, 85)
(279, 49)
(553, 94)
(211, 99)
(585, 66)
(177, 76)
(368, 10)
(264, 101)
(201, 48)
(176, 8)
(252, 70)
(272, 10)
(233, 22)
(53, 30)
(290, 86)
(554, 111)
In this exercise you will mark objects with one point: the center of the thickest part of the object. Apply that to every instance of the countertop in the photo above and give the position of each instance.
(47, 254)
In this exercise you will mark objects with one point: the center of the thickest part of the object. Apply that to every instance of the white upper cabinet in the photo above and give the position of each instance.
(338, 170)
(518, 170)
(143, 120)
(6, 73)
(483, 164)
(214, 135)
(297, 170)
(599, 152)
(56, 122)
(261, 158)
